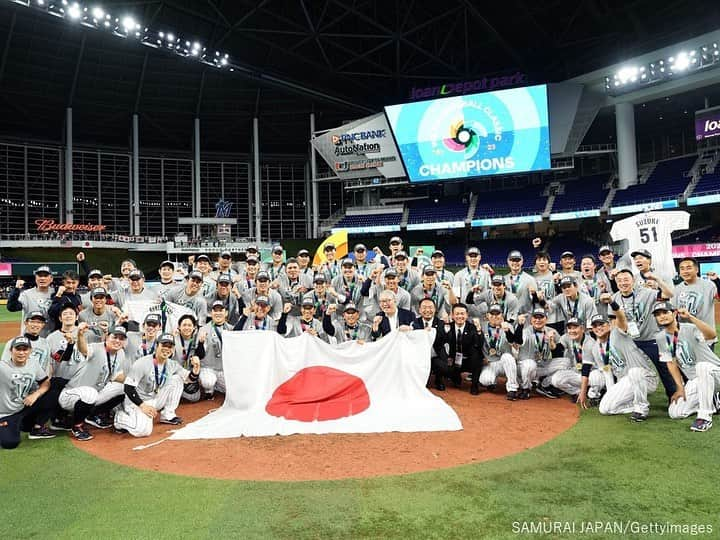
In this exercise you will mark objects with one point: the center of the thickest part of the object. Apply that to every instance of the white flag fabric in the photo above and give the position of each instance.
(137, 310)
(283, 386)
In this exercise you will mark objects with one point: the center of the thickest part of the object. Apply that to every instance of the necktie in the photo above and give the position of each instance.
(427, 323)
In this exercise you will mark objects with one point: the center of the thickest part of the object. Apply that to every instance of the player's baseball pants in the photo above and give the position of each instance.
(630, 393)
(570, 381)
(136, 422)
(87, 394)
(530, 370)
(505, 366)
(699, 393)
(210, 380)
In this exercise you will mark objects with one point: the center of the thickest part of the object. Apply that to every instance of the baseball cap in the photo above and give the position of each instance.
(329, 246)
(153, 318)
(36, 315)
(251, 258)
(350, 307)
(437, 253)
(348, 262)
(252, 247)
(303, 253)
(573, 321)
(598, 318)
(98, 291)
(44, 269)
(118, 331)
(20, 341)
(136, 274)
(428, 271)
(319, 278)
(277, 248)
(224, 278)
(663, 306)
(495, 308)
(497, 280)
(515, 254)
(401, 255)
(166, 338)
(359, 247)
(567, 280)
(262, 299)
(262, 276)
(307, 302)
(472, 251)
(167, 263)
(644, 252)
(95, 273)
(218, 303)
(604, 249)
(202, 257)
(539, 312)
(195, 275)
(396, 240)
(391, 272)
(226, 254)
(568, 254)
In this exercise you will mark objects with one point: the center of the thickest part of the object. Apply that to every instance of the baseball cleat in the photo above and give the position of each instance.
(174, 421)
(98, 422)
(524, 394)
(80, 434)
(41, 433)
(511, 396)
(60, 425)
(474, 390)
(701, 425)
(638, 417)
(546, 391)
(594, 401)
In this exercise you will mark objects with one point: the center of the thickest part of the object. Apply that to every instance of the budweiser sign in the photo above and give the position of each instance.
(49, 225)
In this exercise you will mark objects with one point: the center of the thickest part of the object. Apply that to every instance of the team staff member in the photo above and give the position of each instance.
(350, 329)
(682, 347)
(391, 317)
(497, 339)
(38, 298)
(18, 405)
(153, 388)
(438, 356)
(464, 345)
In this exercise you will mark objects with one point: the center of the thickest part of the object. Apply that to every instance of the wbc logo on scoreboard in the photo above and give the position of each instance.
(223, 208)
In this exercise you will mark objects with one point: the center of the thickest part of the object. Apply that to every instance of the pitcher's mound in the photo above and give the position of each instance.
(492, 427)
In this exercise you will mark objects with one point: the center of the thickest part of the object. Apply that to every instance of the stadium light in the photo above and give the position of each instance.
(127, 26)
(684, 62)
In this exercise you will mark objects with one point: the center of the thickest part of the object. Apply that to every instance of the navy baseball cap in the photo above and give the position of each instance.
(226, 255)
(348, 262)
(567, 254)
(598, 318)
(166, 338)
(437, 253)
(429, 271)
(98, 291)
(401, 255)
(202, 257)
(663, 306)
(396, 240)
(36, 315)
(497, 279)
(605, 249)
(307, 302)
(218, 303)
(20, 341)
(329, 247)
(573, 321)
(44, 269)
(391, 272)
(303, 253)
(319, 278)
(472, 251)
(252, 247)
(95, 273)
(495, 308)
(539, 312)
(195, 274)
(350, 307)
(153, 318)
(262, 300)
(277, 248)
(644, 252)
(262, 276)
(167, 263)
(359, 247)
(136, 274)
(118, 331)
(567, 280)
(515, 255)
(224, 278)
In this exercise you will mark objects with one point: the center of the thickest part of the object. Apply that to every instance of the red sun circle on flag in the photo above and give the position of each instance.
(319, 393)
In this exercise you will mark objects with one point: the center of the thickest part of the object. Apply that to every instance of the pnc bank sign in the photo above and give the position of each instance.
(469, 87)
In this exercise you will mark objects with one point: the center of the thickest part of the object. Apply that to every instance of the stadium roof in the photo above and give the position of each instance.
(338, 58)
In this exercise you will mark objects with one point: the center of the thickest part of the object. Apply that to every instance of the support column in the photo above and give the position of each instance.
(256, 172)
(68, 165)
(626, 144)
(251, 197)
(25, 189)
(196, 203)
(314, 209)
(135, 206)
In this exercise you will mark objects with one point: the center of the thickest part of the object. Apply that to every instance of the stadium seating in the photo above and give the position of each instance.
(516, 202)
(665, 183)
(429, 211)
(369, 220)
(585, 193)
(708, 184)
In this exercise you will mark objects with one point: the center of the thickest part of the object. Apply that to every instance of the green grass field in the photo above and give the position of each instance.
(603, 469)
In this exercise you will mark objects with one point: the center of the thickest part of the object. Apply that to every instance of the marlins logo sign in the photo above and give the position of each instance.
(223, 208)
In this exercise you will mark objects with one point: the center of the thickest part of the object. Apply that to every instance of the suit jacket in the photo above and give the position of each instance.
(471, 345)
(405, 318)
(440, 339)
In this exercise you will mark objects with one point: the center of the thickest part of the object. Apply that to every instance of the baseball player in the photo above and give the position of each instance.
(303, 259)
(320, 296)
(212, 376)
(19, 404)
(498, 354)
(262, 288)
(190, 295)
(277, 265)
(95, 280)
(256, 316)
(473, 279)
(498, 294)
(408, 278)
(683, 348)
(439, 292)
(99, 316)
(546, 290)
(153, 388)
(591, 284)
(520, 283)
(363, 267)
(166, 271)
(37, 298)
(331, 267)
(606, 272)
(350, 329)
(537, 358)
(247, 279)
(224, 293)
(203, 265)
(40, 350)
(143, 343)
(377, 283)
(571, 303)
(225, 267)
(437, 259)
(642, 260)
(695, 294)
(293, 285)
(347, 285)
(291, 326)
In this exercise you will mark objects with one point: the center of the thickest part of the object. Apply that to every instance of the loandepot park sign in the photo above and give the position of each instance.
(361, 149)
(469, 87)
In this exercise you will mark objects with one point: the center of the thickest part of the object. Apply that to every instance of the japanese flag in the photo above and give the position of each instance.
(283, 386)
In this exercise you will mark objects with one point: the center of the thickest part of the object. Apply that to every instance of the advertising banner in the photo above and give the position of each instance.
(696, 250)
(361, 149)
(707, 123)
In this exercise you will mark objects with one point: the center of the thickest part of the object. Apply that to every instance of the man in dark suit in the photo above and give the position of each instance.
(464, 346)
(391, 317)
(439, 359)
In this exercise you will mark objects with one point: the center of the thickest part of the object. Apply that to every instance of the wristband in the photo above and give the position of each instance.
(193, 376)
(615, 306)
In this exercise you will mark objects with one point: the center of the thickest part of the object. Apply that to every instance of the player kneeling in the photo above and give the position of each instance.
(212, 377)
(578, 350)
(683, 347)
(154, 387)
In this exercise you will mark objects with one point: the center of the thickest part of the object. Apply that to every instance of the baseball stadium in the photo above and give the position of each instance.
(327, 269)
